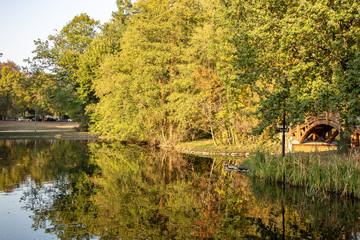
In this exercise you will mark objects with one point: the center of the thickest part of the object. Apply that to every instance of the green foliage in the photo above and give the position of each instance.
(222, 103)
(300, 57)
(60, 55)
(15, 94)
(146, 90)
(173, 79)
(107, 43)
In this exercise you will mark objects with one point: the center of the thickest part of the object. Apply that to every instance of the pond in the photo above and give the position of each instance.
(66, 189)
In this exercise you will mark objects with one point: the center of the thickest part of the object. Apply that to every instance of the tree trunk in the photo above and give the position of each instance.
(344, 144)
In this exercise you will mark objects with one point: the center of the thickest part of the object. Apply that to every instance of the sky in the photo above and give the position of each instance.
(23, 21)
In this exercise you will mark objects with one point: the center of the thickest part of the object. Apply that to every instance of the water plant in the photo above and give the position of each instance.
(317, 172)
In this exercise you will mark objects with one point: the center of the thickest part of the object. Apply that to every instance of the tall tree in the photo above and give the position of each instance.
(107, 42)
(15, 96)
(60, 55)
(222, 101)
(145, 90)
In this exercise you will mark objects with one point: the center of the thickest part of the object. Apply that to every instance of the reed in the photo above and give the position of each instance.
(327, 173)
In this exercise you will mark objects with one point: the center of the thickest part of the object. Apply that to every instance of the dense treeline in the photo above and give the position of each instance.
(170, 81)
(168, 71)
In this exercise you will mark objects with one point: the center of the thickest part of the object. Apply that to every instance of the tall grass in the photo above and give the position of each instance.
(331, 173)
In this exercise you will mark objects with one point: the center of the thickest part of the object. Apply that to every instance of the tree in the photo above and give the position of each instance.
(107, 42)
(300, 57)
(60, 55)
(222, 101)
(145, 91)
(14, 90)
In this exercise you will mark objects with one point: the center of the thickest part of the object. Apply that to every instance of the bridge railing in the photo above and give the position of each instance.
(299, 130)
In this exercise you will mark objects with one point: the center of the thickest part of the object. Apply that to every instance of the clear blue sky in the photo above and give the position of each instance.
(23, 21)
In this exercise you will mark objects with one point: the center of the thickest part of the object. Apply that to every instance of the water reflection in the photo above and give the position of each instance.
(318, 216)
(87, 190)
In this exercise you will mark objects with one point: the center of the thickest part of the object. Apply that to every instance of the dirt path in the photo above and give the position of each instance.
(28, 126)
(26, 129)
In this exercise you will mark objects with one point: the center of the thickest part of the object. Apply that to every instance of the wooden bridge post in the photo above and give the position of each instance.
(355, 140)
(327, 119)
(298, 133)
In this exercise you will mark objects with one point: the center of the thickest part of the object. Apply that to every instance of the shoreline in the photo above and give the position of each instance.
(52, 135)
(322, 167)
(43, 130)
(207, 152)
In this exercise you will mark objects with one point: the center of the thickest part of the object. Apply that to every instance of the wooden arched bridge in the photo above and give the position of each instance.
(321, 129)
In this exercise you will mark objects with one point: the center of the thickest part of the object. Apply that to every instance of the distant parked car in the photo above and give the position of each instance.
(69, 120)
(38, 119)
(20, 119)
(48, 119)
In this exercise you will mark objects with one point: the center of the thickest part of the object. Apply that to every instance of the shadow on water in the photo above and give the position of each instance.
(85, 190)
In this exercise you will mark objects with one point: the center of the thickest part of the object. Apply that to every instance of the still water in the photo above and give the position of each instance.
(63, 189)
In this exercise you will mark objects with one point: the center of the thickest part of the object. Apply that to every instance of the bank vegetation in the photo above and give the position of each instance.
(318, 173)
(167, 71)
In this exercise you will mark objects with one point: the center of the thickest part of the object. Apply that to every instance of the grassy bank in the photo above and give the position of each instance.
(327, 173)
(208, 145)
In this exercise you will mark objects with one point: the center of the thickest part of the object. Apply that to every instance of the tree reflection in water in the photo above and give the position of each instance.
(86, 190)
